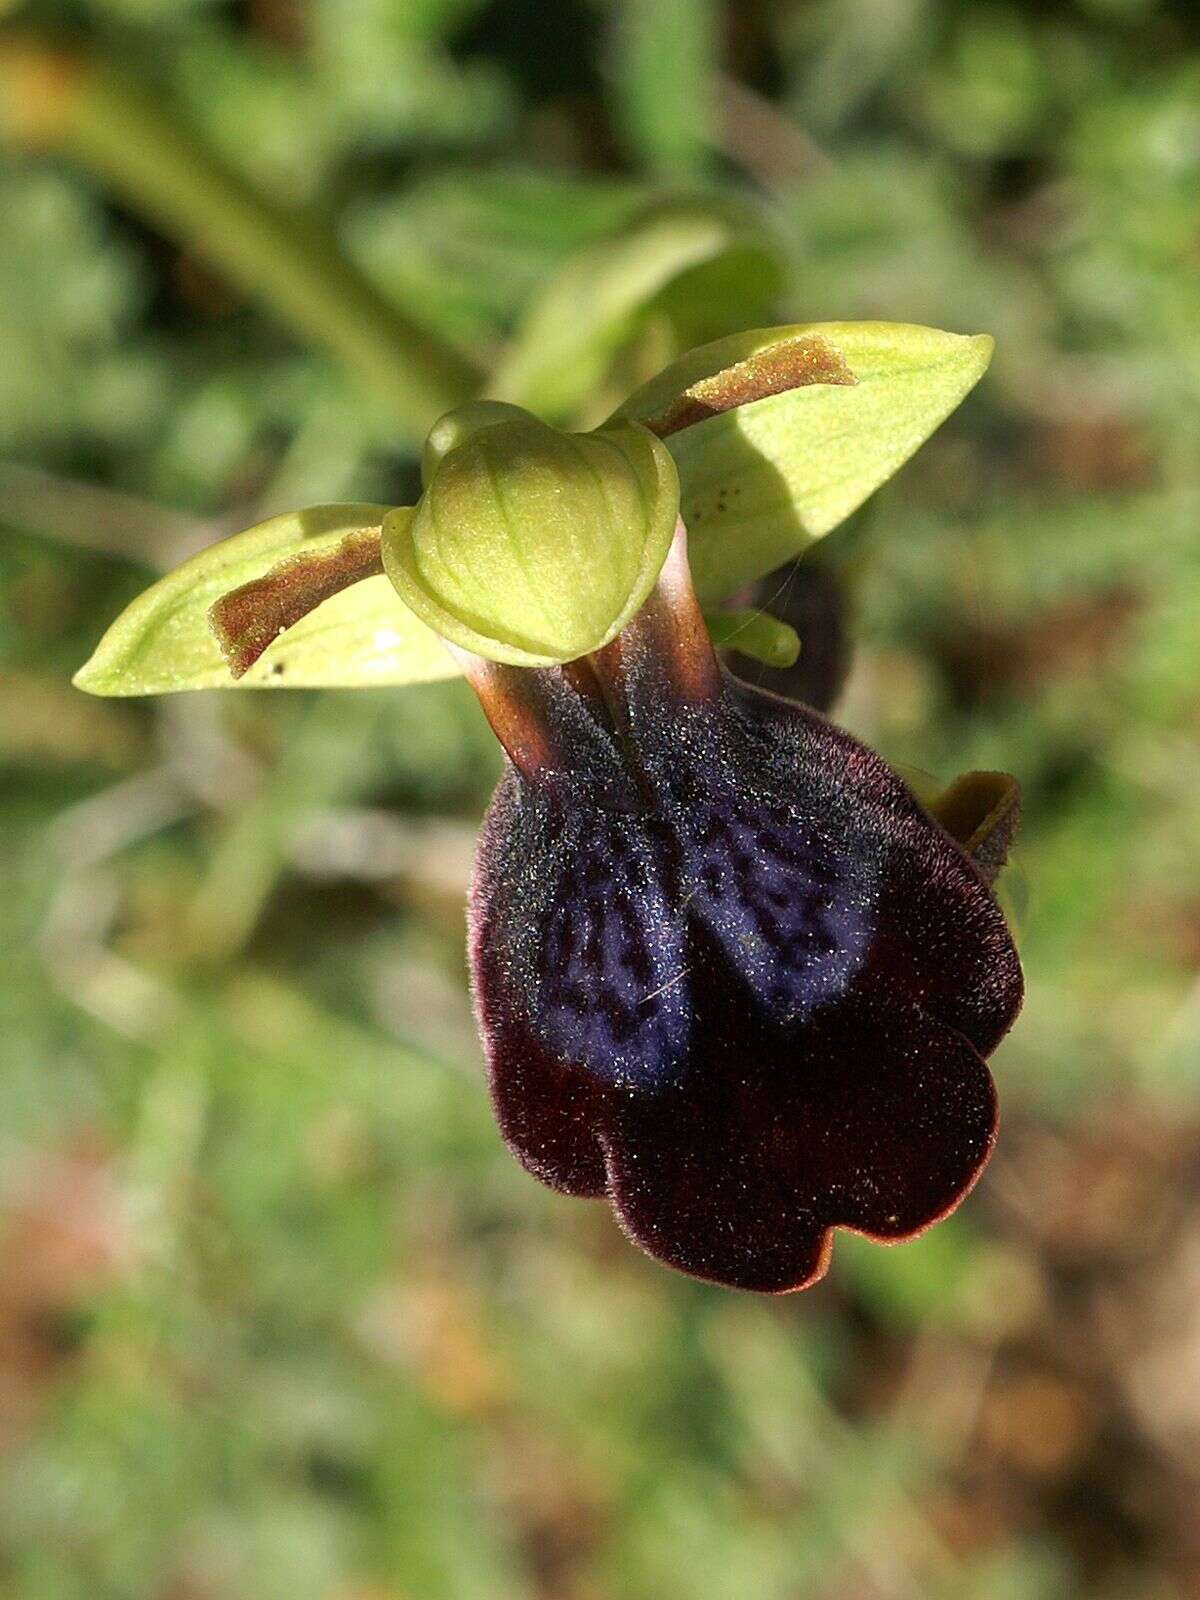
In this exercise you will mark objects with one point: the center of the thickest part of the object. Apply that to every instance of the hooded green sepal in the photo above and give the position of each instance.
(165, 641)
(456, 427)
(533, 547)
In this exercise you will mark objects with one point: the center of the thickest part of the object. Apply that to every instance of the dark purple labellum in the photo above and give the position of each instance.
(729, 973)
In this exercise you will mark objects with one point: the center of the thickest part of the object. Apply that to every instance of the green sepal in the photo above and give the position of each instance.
(761, 481)
(363, 636)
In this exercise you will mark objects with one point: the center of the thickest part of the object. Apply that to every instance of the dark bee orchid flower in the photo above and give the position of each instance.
(730, 974)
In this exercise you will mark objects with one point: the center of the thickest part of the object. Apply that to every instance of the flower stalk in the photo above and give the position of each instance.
(294, 265)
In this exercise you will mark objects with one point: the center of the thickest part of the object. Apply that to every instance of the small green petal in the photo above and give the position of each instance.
(533, 546)
(756, 634)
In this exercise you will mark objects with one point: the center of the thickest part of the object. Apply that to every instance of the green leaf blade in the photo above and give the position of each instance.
(697, 266)
(365, 636)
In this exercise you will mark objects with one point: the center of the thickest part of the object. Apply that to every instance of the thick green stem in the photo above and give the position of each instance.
(288, 261)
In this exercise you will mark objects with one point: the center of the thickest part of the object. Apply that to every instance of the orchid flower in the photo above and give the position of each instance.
(731, 974)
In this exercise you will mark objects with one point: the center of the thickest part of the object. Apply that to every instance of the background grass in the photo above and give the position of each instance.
(278, 1315)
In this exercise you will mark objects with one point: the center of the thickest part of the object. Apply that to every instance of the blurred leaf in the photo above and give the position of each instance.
(841, 51)
(692, 264)
(987, 96)
(889, 233)
(247, 102)
(760, 482)
(387, 77)
(925, 1278)
(467, 248)
(364, 636)
(664, 66)
(70, 362)
(99, 114)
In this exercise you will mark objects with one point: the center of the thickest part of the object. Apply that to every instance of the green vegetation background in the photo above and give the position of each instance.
(279, 1319)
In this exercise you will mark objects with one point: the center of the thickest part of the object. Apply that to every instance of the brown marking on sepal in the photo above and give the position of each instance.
(249, 618)
(981, 811)
(794, 364)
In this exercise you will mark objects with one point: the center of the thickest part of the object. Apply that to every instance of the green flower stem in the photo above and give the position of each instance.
(287, 260)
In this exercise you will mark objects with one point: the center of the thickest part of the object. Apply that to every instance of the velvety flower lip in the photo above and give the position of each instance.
(729, 973)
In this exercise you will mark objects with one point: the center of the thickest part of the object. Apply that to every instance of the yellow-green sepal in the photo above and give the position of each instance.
(764, 478)
(532, 546)
(164, 641)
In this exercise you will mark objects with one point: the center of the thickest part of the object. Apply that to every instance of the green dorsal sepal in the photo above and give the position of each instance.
(533, 546)
(457, 426)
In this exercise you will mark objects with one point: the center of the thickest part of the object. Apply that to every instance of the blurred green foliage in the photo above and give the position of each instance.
(278, 1316)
